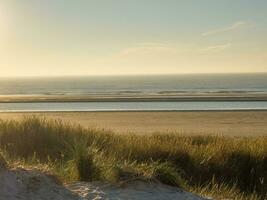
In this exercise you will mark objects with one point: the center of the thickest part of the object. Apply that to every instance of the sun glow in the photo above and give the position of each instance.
(3, 21)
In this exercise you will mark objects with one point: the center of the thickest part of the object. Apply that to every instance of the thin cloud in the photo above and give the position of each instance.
(147, 49)
(151, 44)
(234, 26)
(216, 48)
(157, 48)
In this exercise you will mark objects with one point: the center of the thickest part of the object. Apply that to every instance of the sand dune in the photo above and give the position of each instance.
(20, 184)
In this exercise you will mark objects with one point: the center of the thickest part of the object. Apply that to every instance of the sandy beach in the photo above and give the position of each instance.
(234, 123)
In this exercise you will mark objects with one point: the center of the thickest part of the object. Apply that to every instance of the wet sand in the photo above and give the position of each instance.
(233, 123)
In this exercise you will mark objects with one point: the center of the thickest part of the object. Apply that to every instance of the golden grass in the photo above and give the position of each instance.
(222, 167)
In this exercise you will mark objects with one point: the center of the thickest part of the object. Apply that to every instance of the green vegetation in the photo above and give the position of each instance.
(222, 167)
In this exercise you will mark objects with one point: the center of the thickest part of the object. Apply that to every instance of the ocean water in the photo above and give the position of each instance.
(135, 85)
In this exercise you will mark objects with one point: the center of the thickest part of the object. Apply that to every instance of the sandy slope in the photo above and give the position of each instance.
(20, 184)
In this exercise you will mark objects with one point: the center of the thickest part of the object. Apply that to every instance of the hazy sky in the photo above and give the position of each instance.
(108, 37)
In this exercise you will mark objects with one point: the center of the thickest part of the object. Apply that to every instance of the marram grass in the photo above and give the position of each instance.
(217, 166)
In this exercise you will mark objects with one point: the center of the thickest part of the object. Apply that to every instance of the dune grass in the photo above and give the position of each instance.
(217, 166)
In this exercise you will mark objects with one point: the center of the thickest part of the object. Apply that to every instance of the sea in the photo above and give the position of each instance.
(134, 85)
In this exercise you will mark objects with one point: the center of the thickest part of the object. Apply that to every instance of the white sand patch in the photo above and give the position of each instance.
(22, 184)
(137, 190)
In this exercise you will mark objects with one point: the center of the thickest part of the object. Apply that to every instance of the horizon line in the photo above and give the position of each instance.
(121, 75)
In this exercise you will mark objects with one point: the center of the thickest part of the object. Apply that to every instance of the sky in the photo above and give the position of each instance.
(117, 37)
